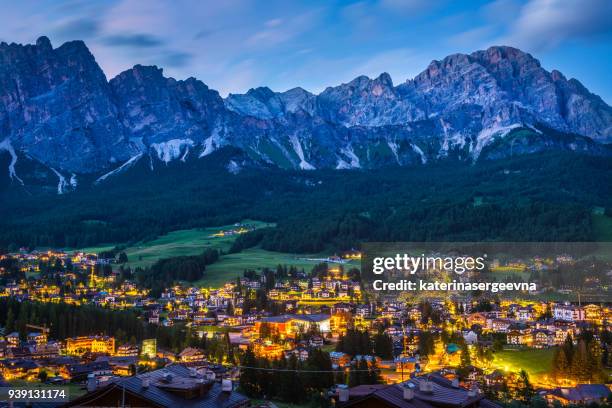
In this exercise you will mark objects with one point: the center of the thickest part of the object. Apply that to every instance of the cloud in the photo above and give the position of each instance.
(203, 34)
(133, 40)
(277, 30)
(545, 24)
(410, 7)
(500, 11)
(473, 38)
(176, 59)
(78, 29)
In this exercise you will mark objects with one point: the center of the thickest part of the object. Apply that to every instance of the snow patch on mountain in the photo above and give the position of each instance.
(488, 135)
(172, 149)
(233, 167)
(62, 184)
(184, 156)
(350, 154)
(394, 148)
(73, 181)
(121, 168)
(214, 141)
(6, 145)
(297, 147)
(420, 152)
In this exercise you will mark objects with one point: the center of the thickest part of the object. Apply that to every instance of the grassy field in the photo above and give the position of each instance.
(535, 362)
(230, 266)
(183, 242)
(227, 268)
(178, 243)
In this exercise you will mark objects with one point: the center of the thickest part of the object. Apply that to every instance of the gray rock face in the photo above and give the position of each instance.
(57, 107)
(263, 103)
(155, 109)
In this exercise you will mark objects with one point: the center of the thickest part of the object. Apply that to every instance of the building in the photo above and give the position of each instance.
(580, 394)
(93, 344)
(433, 391)
(79, 372)
(289, 324)
(173, 386)
(568, 313)
(191, 355)
(149, 348)
(127, 350)
(339, 359)
(13, 339)
(37, 338)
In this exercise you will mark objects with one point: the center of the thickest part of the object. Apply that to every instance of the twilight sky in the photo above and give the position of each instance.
(233, 45)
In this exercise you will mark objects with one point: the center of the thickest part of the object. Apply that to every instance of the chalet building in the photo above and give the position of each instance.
(287, 325)
(46, 350)
(339, 359)
(191, 355)
(363, 311)
(300, 353)
(525, 313)
(37, 338)
(173, 386)
(568, 313)
(20, 352)
(477, 318)
(18, 368)
(316, 342)
(501, 325)
(582, 394)
(13, 339)
(79, 372)
(433, 391)
(594, 314)
(519, 337)
(543, 338)
(127, 350)
(93, 344)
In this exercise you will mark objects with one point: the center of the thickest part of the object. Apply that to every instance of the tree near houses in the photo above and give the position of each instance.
(560, 364)
(581, 362)
(248, 376)
(466, 360)
(383, 345)
(525, 391)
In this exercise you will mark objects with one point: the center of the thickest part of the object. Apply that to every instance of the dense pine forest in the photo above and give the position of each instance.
(546, 197)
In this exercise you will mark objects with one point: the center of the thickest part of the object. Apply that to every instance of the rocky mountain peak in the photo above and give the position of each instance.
(43, 43)
(57, 106)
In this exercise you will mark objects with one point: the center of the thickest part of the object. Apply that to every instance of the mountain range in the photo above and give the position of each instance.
(61, 116)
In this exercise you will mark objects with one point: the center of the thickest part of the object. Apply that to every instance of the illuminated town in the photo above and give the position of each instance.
(499, 349)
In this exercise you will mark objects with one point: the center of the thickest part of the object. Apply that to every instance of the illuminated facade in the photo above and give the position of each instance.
(94, 344)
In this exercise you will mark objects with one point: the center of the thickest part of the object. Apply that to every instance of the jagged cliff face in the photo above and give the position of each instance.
(57, 107)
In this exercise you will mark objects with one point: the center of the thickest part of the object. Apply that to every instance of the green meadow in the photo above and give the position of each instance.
(178, 243)
(230, 266)
(535, 361)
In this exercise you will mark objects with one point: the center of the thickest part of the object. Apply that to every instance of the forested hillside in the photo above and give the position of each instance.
(536, 197)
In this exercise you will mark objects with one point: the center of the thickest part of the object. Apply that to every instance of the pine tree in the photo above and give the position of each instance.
(374, 374)
(560, 365)
(248, 376)
(383, 346)
(525, 389)
(466, 360)
(579, 367)
(9, 327)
